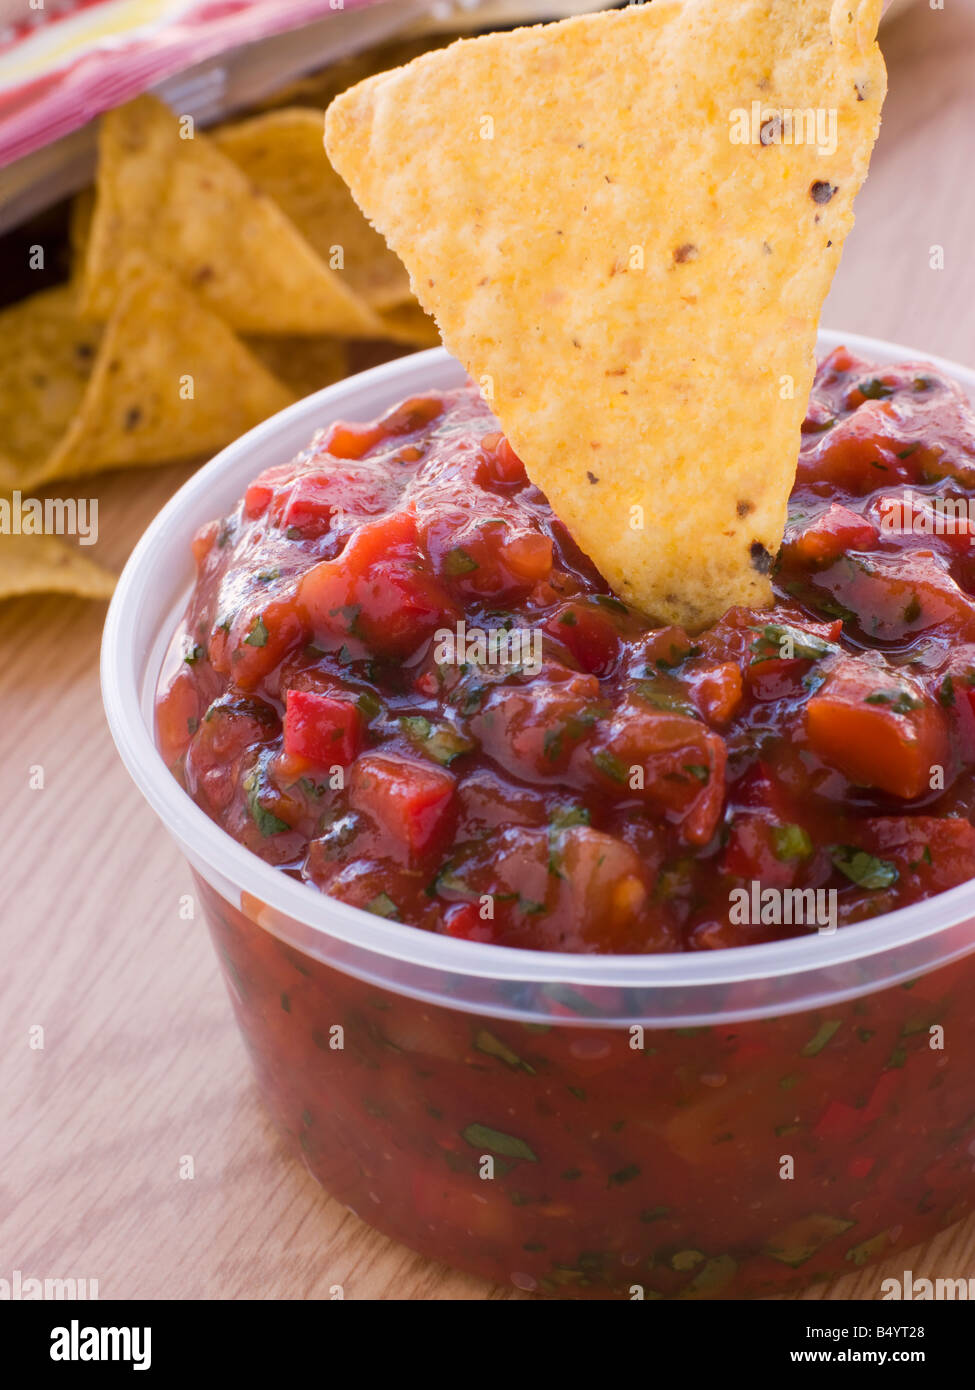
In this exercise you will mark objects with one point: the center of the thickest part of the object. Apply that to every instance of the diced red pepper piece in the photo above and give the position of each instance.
(878, 728)
(321, 728)
(410, 800)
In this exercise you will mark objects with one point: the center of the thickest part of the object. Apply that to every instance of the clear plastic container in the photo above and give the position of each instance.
(727, 1123)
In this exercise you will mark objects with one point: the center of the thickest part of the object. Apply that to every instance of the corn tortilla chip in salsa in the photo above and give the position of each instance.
(631, 264)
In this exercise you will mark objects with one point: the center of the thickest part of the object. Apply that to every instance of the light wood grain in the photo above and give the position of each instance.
(142, 1063)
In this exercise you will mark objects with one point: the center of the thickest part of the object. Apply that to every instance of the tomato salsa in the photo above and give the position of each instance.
(400, 680)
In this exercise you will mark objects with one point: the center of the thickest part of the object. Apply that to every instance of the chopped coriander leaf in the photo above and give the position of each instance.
(623, 1175)
(610, 601)
(791, 842)
(494, 1141)
(821, 1037)
(875, 389)
(382, 905)
(266, 822)
(778, 639)
(863, 868)
(369, 704)
(457, 562)
(609, 764)
(257, 637)
(662, 699)
(901, 703)
(563, 817)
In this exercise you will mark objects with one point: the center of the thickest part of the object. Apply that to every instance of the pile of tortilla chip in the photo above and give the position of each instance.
(215, 278)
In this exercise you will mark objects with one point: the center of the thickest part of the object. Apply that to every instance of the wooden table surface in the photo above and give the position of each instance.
(141, 1062)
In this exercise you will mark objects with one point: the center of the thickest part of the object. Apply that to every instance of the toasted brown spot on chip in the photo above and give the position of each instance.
(744, 508)
(820, 191)
(591, 476)
(687, 252)
(761, 559)
(771, 130)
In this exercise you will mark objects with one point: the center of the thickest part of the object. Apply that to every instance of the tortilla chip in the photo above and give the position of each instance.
(283, 155)
(638, 290)
(79, 230)
(194, 211)
(305, 365)
(41, 564)
(409, 324)
(46, 357)
(170, 381)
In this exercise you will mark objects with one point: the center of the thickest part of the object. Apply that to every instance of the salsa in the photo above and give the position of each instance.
(400, 680)
(743, 1159)
(824, 745)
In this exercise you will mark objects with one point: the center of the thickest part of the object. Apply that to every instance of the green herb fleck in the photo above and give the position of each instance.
(483, 1137)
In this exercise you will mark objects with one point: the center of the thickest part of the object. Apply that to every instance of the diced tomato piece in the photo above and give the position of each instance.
(503, 464)
(203, 541)
(262, 489)
(893, 595)
(861, 1166)
(880, 729)
(776, 678)
(589, 636)
(460, 1207)
(257, 642)
(912, 513)
(527, 554)
(380, 589)
(859, 453)
(177, 714)
(751, 851)
(463, 921)
(322, 729)
(412, 801)
(888, 1088)
(832, 533)
(351, 441)
(839, 1121)
(932, 853)
(670, 760)
(717, 692)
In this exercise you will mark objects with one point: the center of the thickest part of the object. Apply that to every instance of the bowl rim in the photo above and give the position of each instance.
(125, 647)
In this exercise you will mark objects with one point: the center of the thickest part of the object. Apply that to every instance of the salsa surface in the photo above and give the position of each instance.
(399, 679)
